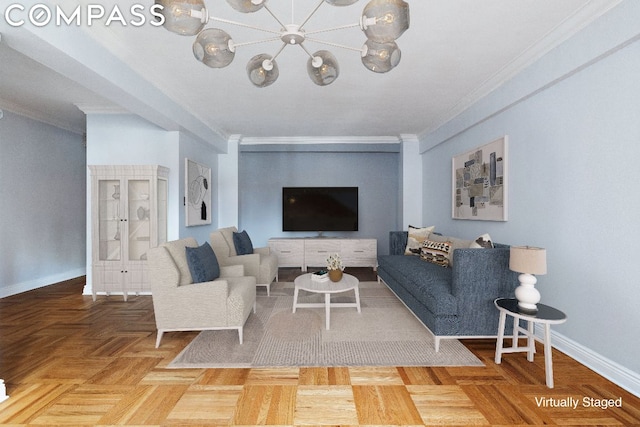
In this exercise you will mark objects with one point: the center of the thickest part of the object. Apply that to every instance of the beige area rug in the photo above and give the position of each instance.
(385, 333)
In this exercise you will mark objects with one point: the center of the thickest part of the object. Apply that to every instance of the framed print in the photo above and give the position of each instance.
(197, 193)
(479, 183)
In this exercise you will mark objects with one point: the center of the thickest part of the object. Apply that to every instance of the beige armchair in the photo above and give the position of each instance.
(181, 305)
(261, 264)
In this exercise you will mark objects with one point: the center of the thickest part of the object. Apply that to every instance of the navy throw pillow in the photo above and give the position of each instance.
(242, 242)
(203, 264)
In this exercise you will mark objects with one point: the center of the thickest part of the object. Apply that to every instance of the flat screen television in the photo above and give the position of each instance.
(320, 209)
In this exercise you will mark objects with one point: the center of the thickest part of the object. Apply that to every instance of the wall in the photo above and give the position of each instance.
(572, 122)
(42, 189)
(262, 174)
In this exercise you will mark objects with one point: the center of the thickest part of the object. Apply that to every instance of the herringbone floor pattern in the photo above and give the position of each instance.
(67, 360)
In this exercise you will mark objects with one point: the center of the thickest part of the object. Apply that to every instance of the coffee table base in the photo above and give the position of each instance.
(327, 300)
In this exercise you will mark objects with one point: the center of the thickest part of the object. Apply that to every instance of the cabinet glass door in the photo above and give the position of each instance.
(139, 221)
(110, 214)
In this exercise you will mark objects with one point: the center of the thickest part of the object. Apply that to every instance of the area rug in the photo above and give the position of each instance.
(385, 333)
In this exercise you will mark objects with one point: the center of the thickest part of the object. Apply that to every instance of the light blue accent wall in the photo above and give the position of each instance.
(574, 151)
(42, 208)
(263, 174)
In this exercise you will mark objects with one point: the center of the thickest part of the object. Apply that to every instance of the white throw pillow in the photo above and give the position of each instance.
(416, 236)
(483, 241)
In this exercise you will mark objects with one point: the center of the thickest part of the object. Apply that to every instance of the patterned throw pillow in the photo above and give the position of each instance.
(415, 238)
(436, 252)
(203, 263)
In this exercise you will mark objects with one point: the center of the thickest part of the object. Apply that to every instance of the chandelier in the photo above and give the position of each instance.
(382, 21)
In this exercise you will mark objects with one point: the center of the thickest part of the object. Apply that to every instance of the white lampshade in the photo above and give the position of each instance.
(214, 48)
(184, 17)
(383, 21)
(262, 70)
(380, 57)
(528, 259)
(323, 68)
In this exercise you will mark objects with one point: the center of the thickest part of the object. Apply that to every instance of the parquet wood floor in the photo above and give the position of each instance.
(67, 360)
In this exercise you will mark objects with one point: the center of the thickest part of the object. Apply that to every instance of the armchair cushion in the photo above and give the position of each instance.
(203, 264)
(242, 243)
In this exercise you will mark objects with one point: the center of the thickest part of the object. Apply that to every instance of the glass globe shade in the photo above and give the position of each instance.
(213, 47)
(323, 68)
(380, 57)
(341, 2)
(384, 21)
(262, 70)
(246, 6)
(179, 19)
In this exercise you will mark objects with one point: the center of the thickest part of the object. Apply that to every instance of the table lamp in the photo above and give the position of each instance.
(528, 260)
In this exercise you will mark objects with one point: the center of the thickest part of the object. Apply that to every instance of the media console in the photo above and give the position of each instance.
(307, 252)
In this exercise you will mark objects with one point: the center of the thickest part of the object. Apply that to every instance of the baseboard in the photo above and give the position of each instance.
(41, 282)
(609, 369)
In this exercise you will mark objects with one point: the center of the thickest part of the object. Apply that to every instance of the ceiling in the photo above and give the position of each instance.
(454, 53)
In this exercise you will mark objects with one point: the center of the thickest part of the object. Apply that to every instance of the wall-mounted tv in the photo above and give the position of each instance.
(320, 209)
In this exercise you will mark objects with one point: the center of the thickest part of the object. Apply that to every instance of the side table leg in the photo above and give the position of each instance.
(531, 342)
(295, 299)
(357, 299)
(327, 310)
(548, 363)
(499, 342)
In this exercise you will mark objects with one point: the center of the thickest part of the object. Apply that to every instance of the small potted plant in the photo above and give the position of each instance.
(335, 267)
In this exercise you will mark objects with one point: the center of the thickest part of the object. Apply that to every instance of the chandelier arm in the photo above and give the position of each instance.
(266, 6)
(240, 24)
(326, 30)
(356, 49)
(272, 39)
(311, 14)
(279, 51)
(305, 49)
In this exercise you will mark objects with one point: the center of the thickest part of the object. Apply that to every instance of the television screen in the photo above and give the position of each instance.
(320, 209)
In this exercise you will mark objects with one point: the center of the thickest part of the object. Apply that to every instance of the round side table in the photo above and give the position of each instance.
(545, 315)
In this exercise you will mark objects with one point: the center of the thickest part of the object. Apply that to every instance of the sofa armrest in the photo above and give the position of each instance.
(482, 271)
(251, 263)
(262, 251)
(397, 242)
(479, 277)
(232, 270)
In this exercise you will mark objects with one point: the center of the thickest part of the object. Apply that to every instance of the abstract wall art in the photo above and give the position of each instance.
(197, 194)
(479, 182)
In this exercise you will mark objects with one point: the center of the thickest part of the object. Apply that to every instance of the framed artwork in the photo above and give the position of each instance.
(197, 193)
(479, 183)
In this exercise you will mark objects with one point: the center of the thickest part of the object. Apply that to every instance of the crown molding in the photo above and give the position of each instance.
(304, 140)
(101, 109)
(40, 116)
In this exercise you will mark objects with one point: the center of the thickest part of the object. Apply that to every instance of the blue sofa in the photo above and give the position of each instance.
(452, 302)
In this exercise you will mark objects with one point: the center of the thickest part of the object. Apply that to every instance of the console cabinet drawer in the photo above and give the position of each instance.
(313, 252)
(290, 252)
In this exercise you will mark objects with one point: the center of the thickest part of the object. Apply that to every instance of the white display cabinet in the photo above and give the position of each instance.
(129, 216)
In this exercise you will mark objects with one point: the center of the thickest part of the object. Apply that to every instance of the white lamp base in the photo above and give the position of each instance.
(526, 294)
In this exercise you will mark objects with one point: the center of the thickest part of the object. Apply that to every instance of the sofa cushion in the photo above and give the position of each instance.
(428, 283)
(242, 243)
(203, 264)
(416, 236)
(436, 252)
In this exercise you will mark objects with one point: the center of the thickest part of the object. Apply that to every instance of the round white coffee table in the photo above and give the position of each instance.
(347, 283)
